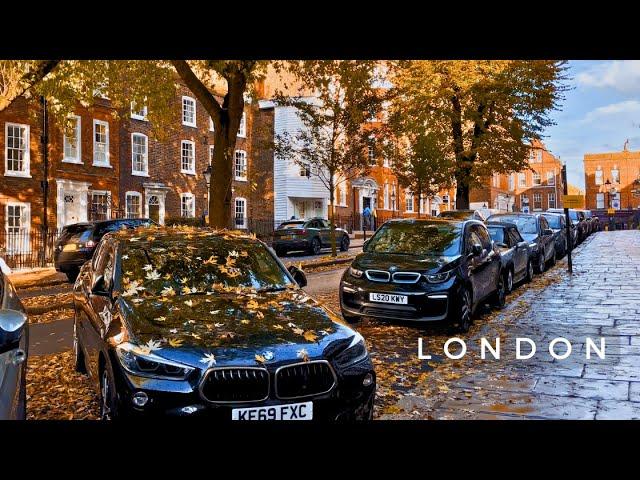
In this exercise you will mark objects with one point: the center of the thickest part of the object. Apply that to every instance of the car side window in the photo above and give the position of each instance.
(544, 225)
(105, 265)
(472, 239)
(324, 223)
(485, 238)
(97, 255)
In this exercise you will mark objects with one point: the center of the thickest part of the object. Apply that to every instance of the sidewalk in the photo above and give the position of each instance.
(601, 299)
(36, 277)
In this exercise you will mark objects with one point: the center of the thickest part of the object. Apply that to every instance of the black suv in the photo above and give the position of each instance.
(188, 322)
(424, 270)
(78, 241)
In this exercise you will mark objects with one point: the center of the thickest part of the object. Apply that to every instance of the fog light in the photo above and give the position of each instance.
(140, 399)
(367, 380)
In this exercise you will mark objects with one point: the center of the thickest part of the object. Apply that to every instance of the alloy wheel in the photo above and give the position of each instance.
(509, 280)
(464, 322)
(345, 244)
(500, 292)
(541, 262)
(315, 246)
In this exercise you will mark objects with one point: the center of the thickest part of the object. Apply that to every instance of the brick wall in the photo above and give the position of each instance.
(628, 164)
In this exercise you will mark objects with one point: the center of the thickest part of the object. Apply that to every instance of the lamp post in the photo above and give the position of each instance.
(207, 178)
(393, 201)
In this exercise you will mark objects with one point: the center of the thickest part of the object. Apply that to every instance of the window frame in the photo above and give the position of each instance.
(191, 196)
(243, 200)
(536, 179)
(107, 162)
(522, 180)
(182, 109)
(145, 172)
(235, 164)
(24, 243)
(551, 195)
(138, 195)
(26, 159)
(136, 116)
(598, 178)
(78, 158)
(242, 128)
(551, 178)
(193, 152)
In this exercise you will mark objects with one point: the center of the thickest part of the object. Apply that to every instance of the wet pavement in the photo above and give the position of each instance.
(601, 299)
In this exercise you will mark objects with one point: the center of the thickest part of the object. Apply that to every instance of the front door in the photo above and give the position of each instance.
(154, 209)
(75, 207)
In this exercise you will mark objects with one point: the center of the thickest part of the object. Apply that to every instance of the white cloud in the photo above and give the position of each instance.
(622, 75)
(621, 111)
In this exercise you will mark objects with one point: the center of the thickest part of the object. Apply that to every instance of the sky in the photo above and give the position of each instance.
(599, 113)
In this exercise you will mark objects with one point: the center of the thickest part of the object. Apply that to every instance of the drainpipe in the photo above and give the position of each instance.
(44, 140)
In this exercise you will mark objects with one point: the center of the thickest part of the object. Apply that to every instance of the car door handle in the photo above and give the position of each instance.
(18, 357)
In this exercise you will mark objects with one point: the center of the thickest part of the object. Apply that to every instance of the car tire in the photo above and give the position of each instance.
(552, 260)
(72, 274)
(78, 354)
(529, 277)
(541, 264)
(500, 295)
(281, 252)
(108, 396)
(314, 248)
(463, 311)
(509, 280)
(344, 244)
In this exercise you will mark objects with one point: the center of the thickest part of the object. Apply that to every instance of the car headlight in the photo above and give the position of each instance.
(533, 245)
(354, 272)
(144, 364)
(354, 353)
(438, 277)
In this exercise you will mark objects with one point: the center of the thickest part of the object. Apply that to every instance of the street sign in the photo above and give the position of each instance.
(572, 201)
(611, 211)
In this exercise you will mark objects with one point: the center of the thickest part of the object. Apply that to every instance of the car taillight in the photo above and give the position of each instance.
(302, 232)
(90, 244)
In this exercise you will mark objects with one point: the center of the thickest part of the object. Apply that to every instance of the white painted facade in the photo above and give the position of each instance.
(294, 194)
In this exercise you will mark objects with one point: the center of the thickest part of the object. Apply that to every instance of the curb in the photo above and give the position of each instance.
(48, 308)
(337, 261)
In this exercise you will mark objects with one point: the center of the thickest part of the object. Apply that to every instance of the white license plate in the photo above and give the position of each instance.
(291, 411)
(389, 298)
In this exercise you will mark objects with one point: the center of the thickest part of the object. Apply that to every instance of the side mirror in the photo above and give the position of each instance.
(11, 326)
(364, 245)
(476, 250)
(99, 288)
(298, 275)
(547, 231)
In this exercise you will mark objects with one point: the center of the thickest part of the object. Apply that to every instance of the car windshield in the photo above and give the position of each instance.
(497, 234)
(420, 238)
(182, 264)
(289, 225)
(76, 232)
(457, 214)
(526, 225)
(104, 228)
(554, 221)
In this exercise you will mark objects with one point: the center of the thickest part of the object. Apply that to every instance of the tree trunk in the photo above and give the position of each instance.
(332, 231)
(462, 192)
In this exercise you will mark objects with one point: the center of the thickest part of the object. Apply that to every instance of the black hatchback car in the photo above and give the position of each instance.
(193, 322)
(424, 270)
(78, 241)
(310, 235)
(514, 252)
(14, 344)
(535, 229)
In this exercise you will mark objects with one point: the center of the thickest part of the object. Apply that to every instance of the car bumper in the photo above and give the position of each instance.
(349, 400)
(427, 306)
(291, 244)
(65, 261)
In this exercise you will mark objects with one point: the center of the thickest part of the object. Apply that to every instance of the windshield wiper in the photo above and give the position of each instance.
(271, 289)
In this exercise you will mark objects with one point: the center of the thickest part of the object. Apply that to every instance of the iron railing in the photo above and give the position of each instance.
(28, 249)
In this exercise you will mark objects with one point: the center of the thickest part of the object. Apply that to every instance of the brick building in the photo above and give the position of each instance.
(612, 180)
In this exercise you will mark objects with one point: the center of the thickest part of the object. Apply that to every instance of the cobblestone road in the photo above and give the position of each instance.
(601, 299)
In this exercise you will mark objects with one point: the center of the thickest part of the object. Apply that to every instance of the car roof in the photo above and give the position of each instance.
(434, 221)
(558, 214)
(512, 214)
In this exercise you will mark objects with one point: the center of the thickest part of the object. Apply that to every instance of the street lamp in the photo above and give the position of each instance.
(207, 178)
(393, 202)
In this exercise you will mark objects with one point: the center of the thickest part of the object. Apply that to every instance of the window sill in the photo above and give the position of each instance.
(189, 125)
(101, 165)
(241, 179)
(187, 172)
(17, 174)
(139, 174)
(72, 160)
(241, 136)
(138, 117)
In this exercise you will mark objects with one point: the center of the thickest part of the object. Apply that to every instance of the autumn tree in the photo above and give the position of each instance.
(419, 163)
(334, 141)
(151, 83)
(483, 113)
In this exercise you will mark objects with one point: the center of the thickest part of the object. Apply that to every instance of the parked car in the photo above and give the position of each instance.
(558, 224)
(424, 270)
(14, 347)
(78, 241)
(311, 235)
(463, 215)
(595, 222)
(514, 253)
(196, 322)
(578, 222)
(592, 221)
(535, 229)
